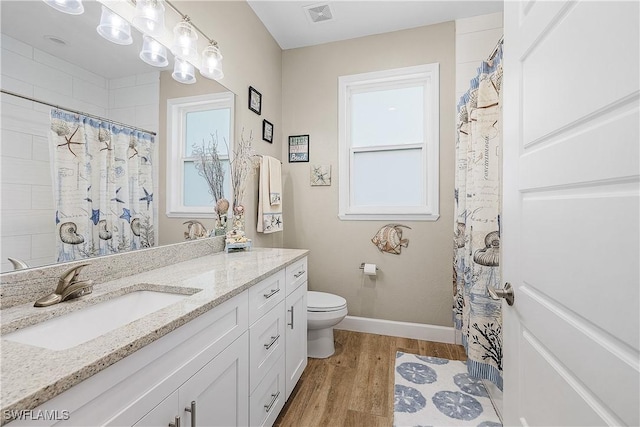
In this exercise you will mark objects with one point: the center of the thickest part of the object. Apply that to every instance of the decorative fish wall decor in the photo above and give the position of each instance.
(389, 239)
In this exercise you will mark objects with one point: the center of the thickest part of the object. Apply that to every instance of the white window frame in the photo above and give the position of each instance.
(428, 210)
(177, 108)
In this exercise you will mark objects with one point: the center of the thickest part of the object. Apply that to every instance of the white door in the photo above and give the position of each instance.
(571, 213)
(296, 342)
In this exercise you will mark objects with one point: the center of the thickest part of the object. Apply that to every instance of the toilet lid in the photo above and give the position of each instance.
(322, 301)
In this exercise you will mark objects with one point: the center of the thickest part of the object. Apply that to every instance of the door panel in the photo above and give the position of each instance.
(220, 389)
(571, 240)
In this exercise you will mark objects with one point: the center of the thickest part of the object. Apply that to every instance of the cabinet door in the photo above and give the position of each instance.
(296, 336)
(163, 414)
(267, 400)
(220, 389)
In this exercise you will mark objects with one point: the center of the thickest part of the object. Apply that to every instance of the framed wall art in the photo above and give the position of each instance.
(298, 148)
(320, 175)
(255, 100)
(267, 131)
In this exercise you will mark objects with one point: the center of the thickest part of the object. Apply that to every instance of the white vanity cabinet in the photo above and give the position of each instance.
(267, 347)
(296, 329)
(237, 362)
(214, 396)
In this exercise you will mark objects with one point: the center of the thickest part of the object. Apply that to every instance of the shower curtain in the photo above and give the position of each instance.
(477, 222)
(103, 186)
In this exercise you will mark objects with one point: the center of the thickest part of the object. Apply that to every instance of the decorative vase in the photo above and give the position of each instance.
(222, 207)
(237, 234)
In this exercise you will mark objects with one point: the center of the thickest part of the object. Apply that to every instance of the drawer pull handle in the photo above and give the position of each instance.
(274, 397)
(176, 423)
(291, 311)
(272, 293)
(300, 273)
(192, 410)
(273, 341)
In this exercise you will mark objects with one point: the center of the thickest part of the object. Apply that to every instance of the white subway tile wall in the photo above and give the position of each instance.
(27, 212)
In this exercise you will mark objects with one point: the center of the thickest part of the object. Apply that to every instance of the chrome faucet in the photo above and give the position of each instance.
(69, 287)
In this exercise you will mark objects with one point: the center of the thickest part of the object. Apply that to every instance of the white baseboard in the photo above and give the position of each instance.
(392, 328)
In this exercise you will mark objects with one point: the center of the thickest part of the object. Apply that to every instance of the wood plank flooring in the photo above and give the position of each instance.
(354, 387)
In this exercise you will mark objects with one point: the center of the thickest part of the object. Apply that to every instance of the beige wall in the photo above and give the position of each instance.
(416, 285)
(251, 58)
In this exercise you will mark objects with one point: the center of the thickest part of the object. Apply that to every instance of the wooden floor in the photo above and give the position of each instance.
(354, 387)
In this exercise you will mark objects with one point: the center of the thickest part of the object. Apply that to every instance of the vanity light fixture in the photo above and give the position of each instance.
(113, 28)
(184, 40)
(153, 52)
(149, 17)
(211, 65)
(72, 7)
(183, 72)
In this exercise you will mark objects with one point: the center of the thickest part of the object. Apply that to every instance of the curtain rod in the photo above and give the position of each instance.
(495, 49)
(28, 98)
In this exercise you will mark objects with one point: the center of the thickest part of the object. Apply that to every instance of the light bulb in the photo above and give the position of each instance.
(113, 28)
(183, 72)
(153, 53)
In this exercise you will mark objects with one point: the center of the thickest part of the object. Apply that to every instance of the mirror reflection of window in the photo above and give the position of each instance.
(195, 120)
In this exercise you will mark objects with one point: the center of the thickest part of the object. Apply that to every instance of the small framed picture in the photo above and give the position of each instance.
(298, 148)
(255, 101)
(267, 131)
(320, 175)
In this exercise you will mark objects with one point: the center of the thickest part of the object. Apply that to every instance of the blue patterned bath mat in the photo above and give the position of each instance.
(430, 391)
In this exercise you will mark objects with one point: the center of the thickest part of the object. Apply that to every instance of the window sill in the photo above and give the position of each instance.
(388, 217)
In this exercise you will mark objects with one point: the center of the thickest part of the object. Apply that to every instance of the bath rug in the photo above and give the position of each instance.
(430, 391)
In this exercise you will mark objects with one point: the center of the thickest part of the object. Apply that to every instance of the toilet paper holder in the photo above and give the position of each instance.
(362, 267)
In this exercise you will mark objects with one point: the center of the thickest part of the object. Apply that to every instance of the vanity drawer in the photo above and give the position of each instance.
(266, 344)
(265, 295)
(296, 274)
(267, 400)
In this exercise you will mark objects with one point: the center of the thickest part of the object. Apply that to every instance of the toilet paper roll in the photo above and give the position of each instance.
(370, 269)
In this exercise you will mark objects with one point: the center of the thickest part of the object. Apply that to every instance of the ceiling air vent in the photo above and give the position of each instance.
(319, 12)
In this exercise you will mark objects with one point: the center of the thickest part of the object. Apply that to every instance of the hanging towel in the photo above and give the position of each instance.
(269, 215)
(275, 181)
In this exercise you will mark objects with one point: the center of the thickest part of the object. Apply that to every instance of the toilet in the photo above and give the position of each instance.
(324, 311)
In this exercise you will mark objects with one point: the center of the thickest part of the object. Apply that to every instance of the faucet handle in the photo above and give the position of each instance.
(70, 276)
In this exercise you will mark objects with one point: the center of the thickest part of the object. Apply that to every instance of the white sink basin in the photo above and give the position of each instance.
(91, 322)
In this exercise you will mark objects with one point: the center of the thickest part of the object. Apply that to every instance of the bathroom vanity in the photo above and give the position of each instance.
(227, 351)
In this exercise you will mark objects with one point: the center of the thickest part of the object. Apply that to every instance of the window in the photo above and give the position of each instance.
(190, 121)
(388, 142)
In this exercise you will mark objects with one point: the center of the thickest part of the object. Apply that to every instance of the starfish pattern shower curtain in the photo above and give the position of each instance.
(476, 262)
(103, 186)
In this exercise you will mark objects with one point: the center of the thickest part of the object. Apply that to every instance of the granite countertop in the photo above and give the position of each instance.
(32, 375)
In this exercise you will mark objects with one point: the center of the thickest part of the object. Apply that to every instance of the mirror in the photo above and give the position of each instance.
(60, 59)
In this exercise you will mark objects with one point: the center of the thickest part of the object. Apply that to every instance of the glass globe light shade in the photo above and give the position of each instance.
(72, 7)
(184, 41)
(211, 64)
(183, 72)
(153, 52)
(149, 17)
(114, 28)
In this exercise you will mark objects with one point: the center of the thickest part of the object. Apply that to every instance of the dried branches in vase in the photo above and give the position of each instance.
(241, 167)
(209, 166)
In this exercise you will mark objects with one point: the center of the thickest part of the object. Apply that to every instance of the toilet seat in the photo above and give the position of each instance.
(324, 302)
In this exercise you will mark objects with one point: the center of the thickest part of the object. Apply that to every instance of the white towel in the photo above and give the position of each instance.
(269, 215)
(275, 181)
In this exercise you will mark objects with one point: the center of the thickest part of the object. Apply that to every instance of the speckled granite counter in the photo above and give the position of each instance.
(32, 375)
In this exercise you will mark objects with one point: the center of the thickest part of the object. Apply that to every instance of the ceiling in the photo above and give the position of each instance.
(30, 21)
(287, 21)
(291, 27)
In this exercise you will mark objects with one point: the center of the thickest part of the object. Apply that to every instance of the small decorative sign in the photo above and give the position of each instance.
(267, 131)
(298, 148)
(320, 175)
(255, 100)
